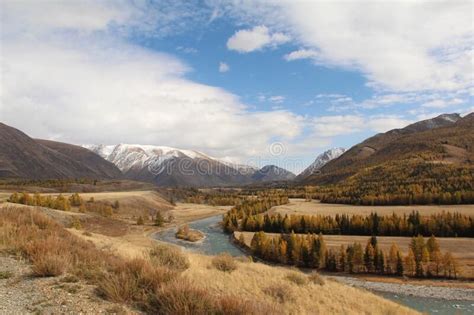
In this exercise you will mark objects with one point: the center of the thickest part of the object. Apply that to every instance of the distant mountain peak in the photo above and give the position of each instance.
(183, 167)
(442, 120)
(270, 173)
(321, 160)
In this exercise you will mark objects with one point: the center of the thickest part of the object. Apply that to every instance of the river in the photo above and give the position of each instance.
(216, 242)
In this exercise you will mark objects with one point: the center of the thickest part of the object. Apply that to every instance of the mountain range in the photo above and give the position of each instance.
(167, 166)
(447, 139)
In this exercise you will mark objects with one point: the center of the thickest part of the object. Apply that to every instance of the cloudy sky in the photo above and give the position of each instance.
(231, 78)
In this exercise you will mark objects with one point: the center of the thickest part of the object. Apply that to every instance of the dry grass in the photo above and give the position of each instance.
(133, 281)
(224, 262)
(158, 289)
(187, 212)
(282, 293)
(297, 278)
(170, 257)
(315, 278)
(300, 206)
(250, 281)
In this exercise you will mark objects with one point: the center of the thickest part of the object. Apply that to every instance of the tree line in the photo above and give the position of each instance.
(63, 203)
(444, 224)
(424, 259)
(251, 207)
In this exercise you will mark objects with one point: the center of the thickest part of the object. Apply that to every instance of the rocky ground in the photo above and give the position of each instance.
(20, 293)
(426, 291)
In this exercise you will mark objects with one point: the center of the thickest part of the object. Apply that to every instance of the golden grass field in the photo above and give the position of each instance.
(314, 207)
(251, 279)
(461, 248)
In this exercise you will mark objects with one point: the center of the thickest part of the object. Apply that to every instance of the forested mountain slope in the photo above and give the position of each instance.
(430, 161)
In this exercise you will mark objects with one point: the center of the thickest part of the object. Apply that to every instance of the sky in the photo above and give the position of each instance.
(254, 82)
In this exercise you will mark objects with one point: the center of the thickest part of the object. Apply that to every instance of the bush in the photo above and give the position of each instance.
(235, 305)
(297, 278)
(170, 257)
(280, 292)
(224, 262)
(181, 297)
(49, 265)
(5, 274)
(131, 281)
(315, 278)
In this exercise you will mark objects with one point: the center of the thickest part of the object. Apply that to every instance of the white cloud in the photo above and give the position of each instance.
(257, 38)
(223, 67)
(84, 87)
(301, 54)
(398, 46)
(441, 103)
(330, 126)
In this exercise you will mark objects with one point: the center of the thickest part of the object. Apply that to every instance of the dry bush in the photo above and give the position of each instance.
(280, 292)
(133, 281)
(6, 274)
(315, 278)
(224, 262)
(170, 257)
(296, 278)
(181, 297)
(235, 305)
(49, 265)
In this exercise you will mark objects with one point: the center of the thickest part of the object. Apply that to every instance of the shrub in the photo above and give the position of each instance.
(6, 274)
(224, 262)
(49, 265)
(235, 305)
(168, 256)
(315, 278)
(76, 224)
(280, 292)
(297, 278)
(181, 297)
(131, 281)
(140, 221)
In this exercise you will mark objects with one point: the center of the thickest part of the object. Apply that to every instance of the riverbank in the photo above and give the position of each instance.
(423, 291)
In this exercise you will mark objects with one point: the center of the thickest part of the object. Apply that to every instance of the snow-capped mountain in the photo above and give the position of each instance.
(133, 156)
(168, 166)
(322, 160)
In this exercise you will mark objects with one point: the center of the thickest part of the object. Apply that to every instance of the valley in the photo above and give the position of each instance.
(249, 281)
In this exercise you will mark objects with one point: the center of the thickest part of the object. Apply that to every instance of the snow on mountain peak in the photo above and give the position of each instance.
(322, 160)
(128, 156)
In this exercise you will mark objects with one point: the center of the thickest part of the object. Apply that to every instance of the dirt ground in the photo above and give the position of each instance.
(300, 206)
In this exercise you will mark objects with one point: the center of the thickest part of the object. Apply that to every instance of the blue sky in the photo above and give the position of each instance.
(232, 78)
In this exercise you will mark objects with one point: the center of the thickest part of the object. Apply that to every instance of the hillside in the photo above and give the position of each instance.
(430, 158)
(24, 157)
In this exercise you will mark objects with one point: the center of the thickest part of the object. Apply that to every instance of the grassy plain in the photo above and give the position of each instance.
(314, 207)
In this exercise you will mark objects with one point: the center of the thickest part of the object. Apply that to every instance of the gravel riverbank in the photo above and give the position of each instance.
(444, 293)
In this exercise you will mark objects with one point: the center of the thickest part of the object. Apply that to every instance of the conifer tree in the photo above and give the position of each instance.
(410, 263)
(400, 268)
(369, 258)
